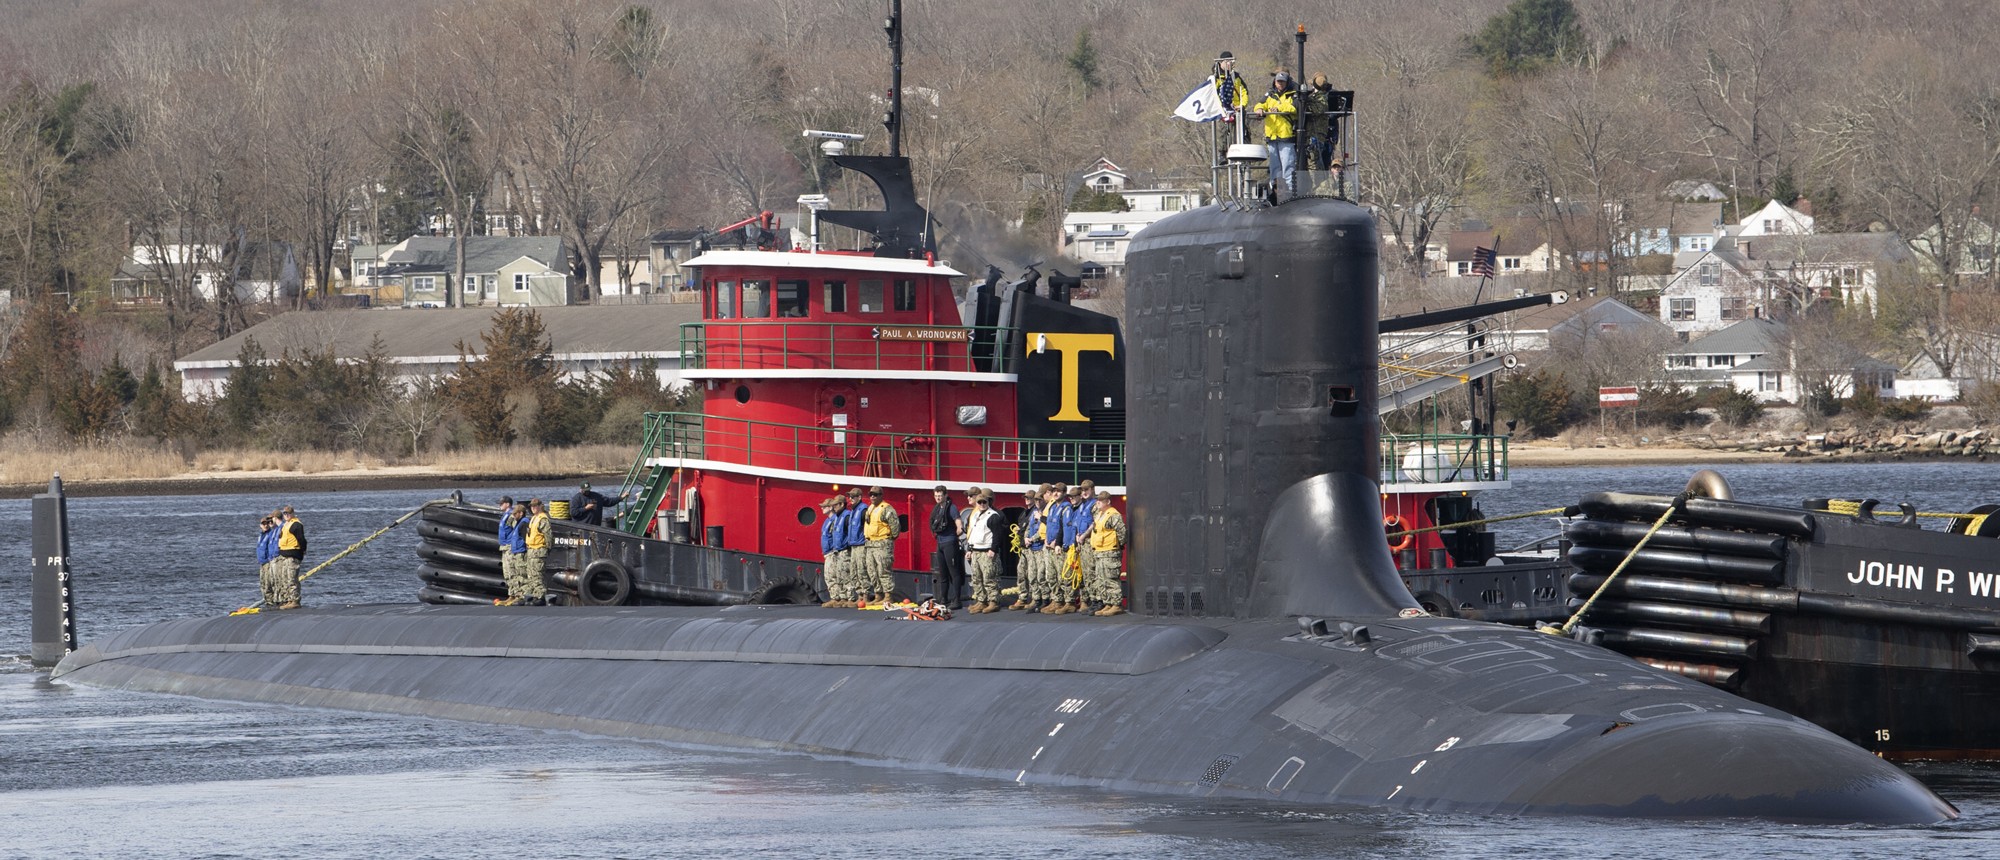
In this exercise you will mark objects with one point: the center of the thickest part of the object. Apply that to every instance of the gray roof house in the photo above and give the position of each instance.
(500, 271)
(1745, 277)
(585, 339)
(1754, 356)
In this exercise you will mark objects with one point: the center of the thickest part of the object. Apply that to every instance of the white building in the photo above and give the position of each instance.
(1777, 218)
(1103, 237)
(423, 343)
(1754, 356)
(1745, 277)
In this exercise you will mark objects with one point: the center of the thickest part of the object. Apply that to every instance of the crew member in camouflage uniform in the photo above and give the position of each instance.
(982, 555)
(1029, 567)
(853, 563)
(882, 527)
(1107, 539)
(1055, 541)
(1081, 514)
(833, 545)
(510, 526)
(267, 552)
(285, 568)
(537, 540)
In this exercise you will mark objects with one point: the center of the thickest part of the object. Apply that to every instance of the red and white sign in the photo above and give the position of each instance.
(1618, 395)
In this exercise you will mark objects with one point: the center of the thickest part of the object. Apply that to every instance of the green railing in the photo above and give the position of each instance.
(1439, 458)
(857, 454)
(788, 345)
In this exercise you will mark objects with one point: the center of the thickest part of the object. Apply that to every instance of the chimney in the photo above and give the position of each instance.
(1804, 206)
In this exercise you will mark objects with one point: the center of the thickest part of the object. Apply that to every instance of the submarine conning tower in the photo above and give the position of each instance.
(1252, 389)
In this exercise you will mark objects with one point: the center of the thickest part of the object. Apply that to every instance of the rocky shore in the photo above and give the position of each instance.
(1948, 434)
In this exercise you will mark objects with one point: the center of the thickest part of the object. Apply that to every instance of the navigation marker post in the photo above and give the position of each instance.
(53, 627)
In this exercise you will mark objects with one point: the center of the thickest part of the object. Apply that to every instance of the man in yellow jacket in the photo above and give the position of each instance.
(291, 552)
(1107, 538)
(1280, 109)
(532, 589)
(880, 529)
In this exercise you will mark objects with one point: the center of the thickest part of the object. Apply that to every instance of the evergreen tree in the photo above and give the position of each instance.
(1088, 199)
(153, 404)
(1083, 61)
(242, 401)
(1528, 35)
(518, 360)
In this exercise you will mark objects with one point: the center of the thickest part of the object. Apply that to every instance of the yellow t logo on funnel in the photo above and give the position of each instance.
(1070, 344)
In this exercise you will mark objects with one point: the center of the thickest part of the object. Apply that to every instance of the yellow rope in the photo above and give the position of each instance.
(1543, 513)
(1602, 587)
(1423, 372)
(252, 608)
(1850, 508)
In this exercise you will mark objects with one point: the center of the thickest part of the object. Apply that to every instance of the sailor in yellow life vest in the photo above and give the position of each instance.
(882, 526)
(1107, 538)
(285, 568)
(1280, 108)
(532, 590)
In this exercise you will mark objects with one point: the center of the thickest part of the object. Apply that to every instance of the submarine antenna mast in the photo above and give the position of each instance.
(1299, 138)
(893, 120)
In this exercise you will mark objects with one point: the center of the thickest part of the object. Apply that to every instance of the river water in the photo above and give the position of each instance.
(90, 773)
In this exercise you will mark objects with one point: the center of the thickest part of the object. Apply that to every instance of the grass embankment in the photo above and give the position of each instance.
(143, 469)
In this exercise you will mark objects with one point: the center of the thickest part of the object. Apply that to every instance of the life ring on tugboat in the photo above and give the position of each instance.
(1393, 523)
(588, 580)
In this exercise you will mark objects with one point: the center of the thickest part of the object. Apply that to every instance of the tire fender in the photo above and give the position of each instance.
(594, 574)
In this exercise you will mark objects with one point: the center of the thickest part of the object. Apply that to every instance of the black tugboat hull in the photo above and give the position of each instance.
(1870, 629)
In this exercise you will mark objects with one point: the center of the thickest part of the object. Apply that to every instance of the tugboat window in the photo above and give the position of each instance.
(806, 516)
(743, 394)
(906, 295)
(756, 300)
(792, 299)
(725, 300)
(871, 297)
(835, 297)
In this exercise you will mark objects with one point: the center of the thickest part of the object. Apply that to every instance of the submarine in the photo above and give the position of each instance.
(1272, 652)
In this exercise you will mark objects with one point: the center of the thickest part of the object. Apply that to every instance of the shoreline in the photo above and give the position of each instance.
(279, 481)
(1520, 455)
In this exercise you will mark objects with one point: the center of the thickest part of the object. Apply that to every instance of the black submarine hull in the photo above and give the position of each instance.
(1285, 659)
(1422, 713)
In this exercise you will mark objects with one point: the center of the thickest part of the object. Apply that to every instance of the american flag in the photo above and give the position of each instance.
(1482, 262)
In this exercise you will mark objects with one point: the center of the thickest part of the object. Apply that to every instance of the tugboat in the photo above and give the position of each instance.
(1273, 652)
(1845, 611)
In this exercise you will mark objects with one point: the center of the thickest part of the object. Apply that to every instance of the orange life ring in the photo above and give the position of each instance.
(1393, 523)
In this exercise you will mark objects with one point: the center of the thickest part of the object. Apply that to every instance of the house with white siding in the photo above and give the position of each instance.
(1746, 277)
(1101, 238)
(1755, 356)
(1778, 219)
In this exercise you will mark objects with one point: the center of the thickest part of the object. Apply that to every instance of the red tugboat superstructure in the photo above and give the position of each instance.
(822, 370)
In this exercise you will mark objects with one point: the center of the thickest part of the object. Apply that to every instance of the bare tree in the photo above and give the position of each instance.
(1920, 145)
(1420, 166)
(589, 135)
(1741, 90)
(1582, 150)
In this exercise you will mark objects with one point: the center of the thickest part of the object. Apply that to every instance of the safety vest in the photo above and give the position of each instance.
(882, 522)
(1103, 535)
(291, 536)
(538, 531)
